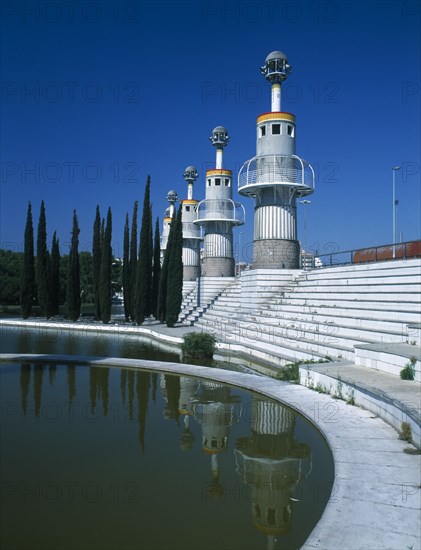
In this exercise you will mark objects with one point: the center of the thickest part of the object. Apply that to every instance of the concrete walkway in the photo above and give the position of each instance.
(394, 400)
(375, 502)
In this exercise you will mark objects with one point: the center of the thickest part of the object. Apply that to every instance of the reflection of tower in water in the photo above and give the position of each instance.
(188, 388)
(178, 393)
(216, 410)
(272, 464)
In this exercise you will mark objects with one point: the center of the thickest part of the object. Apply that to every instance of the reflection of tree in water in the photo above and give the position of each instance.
(130, 392)
(142, 392)
(93, 384)
(98, 387)
(38, 376)
(24, 341)
(154, 386)
(70, 342)
(71, 382)
(98, 345)
(123, 384)
(52, 371)
(171, 390)
(25, 380)
(272, 463)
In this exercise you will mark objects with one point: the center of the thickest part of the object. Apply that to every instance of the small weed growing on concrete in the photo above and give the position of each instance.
(339, 385)
(320, 388)
(198, 345)
(351, 398)
(408, 372)
(406, 433)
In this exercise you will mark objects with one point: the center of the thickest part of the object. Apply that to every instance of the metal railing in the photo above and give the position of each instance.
(220, 210)
(276, 169)
(383, 253)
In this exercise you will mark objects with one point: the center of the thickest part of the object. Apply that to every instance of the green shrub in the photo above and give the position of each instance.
(406, 432)
(290, 373)
(408, 372)
(198, 345)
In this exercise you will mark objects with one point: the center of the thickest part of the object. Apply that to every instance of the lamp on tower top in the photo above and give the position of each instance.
(190, 175)
(276, 69)
(219, 139)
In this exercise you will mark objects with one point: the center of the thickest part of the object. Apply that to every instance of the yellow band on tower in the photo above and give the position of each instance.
(218, 172)
(275, 116)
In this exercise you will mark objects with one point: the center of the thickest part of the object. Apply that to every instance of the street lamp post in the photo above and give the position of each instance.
(305, 231)
(394, 170)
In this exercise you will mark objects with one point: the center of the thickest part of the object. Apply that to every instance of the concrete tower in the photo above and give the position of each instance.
(275, 178)
(172, 198)
(218, 213)
(191, 232)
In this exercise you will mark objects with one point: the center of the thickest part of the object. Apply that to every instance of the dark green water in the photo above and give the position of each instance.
(94, 458)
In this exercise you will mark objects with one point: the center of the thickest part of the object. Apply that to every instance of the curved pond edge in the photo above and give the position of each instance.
(375, 498)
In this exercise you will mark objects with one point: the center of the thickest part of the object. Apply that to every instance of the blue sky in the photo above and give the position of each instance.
(97, 95)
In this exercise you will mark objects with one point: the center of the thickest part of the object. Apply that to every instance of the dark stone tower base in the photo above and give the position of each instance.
(190, 272)
(218, 267)
(276, 254)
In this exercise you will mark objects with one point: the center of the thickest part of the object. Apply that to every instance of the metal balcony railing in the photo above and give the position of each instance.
(291, 171)
(220, 210)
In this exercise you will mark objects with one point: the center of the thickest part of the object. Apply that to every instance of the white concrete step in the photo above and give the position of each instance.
(276, 316)
(386, 314)
(335, 302)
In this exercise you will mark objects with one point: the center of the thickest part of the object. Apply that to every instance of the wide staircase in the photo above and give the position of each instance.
(198, 297)
(323, 314)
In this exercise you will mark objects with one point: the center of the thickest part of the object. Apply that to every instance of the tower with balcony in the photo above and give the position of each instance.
(275, 178)
(218, 214)
(191, 231)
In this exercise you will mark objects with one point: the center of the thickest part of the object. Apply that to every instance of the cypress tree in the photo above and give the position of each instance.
(175, 273)
(105, 273)
(41, 271)
(144, 268)
(126, 269)
(48, 308)
(156, 269)
(163, 279)
(96, 261)
(28, 268)
(133, 262)
(73, 274)
(55, 275)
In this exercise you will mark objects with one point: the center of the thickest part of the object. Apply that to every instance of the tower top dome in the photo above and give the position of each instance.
(190, 174)
(219, 137)
(276, 55)
(276, 67)
(172, 196)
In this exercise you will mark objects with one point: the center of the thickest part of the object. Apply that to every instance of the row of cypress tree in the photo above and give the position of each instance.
(40, 276)
(148, 289)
